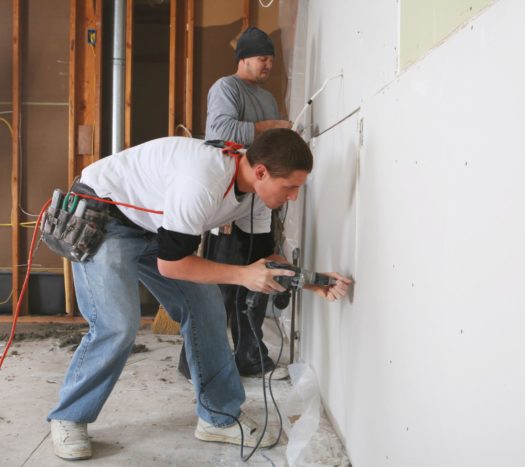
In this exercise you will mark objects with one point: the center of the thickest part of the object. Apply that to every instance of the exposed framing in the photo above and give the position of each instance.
(188, 88)
(245, 15)
(128, 91)
(85, 79)
(15, 168)
(172, 67)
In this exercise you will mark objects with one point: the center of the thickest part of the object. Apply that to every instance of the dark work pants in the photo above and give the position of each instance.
(233, 249)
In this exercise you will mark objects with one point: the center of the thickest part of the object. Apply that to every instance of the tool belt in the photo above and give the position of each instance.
(73, 226)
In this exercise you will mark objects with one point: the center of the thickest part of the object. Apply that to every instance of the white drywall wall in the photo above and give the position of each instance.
(425, 366)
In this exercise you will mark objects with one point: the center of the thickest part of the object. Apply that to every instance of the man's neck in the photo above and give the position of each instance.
(246, 79)
(245, 176)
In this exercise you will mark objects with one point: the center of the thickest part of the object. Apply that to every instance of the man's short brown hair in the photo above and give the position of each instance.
(282, 151)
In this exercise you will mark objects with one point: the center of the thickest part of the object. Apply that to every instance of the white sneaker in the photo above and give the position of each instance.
(231, 434)
(70, 440)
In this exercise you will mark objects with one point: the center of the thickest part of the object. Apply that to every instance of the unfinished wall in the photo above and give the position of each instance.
(6, 33)
(43, 123)
(422, 366)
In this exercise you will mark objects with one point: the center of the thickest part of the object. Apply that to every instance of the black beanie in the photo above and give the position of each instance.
(253, 43)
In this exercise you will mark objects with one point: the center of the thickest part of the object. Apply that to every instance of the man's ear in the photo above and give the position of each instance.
(260, 171)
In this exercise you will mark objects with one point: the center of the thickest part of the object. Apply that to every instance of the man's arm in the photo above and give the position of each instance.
(223, 116)
(256, 276)
(222, 120)
(269, 124)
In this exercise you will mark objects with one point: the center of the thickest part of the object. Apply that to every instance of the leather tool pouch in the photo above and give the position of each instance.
(72, 226)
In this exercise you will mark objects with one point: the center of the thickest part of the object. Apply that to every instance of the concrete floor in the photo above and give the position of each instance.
(148, 420)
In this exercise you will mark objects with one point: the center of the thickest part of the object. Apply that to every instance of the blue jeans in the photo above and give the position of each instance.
(108, 297)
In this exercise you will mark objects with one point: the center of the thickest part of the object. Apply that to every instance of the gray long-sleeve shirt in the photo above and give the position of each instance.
(233, 107)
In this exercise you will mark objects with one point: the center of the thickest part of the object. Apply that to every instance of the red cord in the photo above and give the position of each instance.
(26, 280)
(118, 203)
(30, 260)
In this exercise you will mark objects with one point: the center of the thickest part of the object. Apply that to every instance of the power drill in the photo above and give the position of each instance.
(301, 278)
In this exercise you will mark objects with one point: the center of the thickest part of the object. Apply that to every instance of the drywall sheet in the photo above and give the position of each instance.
(328, 330)
(357, 38)
(425, 24)
(424, 367)
(329, 39)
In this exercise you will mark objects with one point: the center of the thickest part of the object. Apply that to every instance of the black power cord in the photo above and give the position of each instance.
(252, 327)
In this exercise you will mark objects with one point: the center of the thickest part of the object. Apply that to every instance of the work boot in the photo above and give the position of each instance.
(231, 434)
(70, 440)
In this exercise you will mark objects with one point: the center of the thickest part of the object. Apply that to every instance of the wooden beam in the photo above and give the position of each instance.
(128, 91)
(15, 156)
(72, 125)
(85, 80)
(245, 15)
(172, 68)
(72, 144)
(57, 320)
(95, 19)
(188, 92)
(88, 78)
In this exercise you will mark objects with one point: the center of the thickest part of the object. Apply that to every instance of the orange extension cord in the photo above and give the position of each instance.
(30, 259)
(26, 280)
(230, 149)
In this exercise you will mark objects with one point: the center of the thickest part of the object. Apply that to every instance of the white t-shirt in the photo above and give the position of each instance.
(184, 178)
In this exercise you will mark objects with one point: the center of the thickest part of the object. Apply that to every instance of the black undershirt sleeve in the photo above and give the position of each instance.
(174, 245)
(263, 244)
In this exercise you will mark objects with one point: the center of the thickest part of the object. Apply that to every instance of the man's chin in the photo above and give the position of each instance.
(274, 205)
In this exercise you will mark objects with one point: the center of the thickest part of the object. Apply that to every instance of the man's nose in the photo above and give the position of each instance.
(293, 196)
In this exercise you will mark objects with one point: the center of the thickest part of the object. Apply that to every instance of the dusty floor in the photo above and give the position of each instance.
(149, 419)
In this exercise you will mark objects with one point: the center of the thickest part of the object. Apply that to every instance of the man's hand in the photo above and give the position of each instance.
(258, 278)
(332, 292)
(264, 125)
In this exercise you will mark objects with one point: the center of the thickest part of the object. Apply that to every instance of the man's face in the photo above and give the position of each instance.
(276, 191)
(257, 69)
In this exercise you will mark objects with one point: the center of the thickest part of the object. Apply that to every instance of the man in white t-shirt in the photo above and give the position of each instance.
(193, 187)
(239, 108)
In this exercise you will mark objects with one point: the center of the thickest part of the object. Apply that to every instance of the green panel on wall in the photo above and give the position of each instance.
(426, 23)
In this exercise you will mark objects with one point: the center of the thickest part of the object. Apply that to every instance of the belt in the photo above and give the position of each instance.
(116, 213)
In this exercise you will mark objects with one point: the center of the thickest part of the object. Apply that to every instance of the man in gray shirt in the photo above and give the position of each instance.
(239, 109)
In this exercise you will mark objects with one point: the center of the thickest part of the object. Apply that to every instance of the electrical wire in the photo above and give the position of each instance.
(24, 286)
(341, 120)
(237, 293)
(3, 120)
(188, 132)
(22, 224)
(261, 356)
(309, 102)
(250, 320)
(3, 302)
(26, 225)
(32, 251)
(267, 5)
(20, 171)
